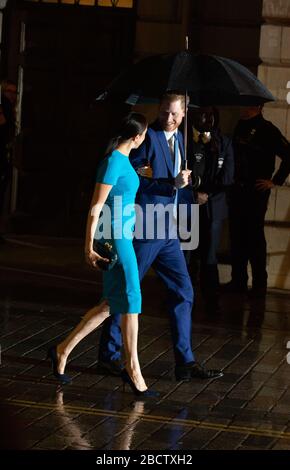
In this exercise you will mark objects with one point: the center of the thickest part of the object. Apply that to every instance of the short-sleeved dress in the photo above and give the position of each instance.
(121, 285)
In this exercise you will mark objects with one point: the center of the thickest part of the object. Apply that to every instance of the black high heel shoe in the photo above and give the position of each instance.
(52, 355)
(127, 380)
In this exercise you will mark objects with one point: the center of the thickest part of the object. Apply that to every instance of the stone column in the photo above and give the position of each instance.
(274, 72)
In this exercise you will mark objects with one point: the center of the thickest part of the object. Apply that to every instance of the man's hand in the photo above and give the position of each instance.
(202, 198)
(145, 171)
(182, 179)
(263, 185)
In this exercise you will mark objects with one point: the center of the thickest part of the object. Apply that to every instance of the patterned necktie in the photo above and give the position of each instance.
(174, 150)
(173, 145)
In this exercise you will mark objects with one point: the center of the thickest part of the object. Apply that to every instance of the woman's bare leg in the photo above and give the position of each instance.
(91, 320)
(129, 327)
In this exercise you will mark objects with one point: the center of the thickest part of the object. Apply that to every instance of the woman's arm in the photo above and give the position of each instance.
(99, 198)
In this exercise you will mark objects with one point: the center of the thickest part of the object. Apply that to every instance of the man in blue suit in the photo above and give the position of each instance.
(163, 150)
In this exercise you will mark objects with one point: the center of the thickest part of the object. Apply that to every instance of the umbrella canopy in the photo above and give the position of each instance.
(207, 80)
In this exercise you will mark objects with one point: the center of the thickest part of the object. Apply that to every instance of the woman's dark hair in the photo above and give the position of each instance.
(131, 125)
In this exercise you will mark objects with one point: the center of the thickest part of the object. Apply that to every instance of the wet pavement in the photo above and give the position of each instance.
(45, 288)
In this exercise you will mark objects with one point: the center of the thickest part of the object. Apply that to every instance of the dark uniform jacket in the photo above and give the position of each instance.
(256, 144)
(215, 167)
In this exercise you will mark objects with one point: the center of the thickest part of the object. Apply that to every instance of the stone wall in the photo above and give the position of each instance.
(274, 72)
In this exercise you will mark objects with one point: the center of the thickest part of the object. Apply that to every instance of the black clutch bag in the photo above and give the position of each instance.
(105, 250)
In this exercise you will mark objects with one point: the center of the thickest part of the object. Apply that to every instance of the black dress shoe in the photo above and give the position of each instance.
(202, 373)
(193, 370)
(52, 355)
(148, 393)
(114, 367)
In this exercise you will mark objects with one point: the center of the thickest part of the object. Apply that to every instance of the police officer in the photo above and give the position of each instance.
(256, 144)
(211, 158)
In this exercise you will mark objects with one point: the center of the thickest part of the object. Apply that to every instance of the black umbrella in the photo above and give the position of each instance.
(207, 79)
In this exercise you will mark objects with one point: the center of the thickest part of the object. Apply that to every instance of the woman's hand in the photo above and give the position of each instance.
(92, 259)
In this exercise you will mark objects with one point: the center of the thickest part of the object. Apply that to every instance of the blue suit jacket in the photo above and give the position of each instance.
(160, 188)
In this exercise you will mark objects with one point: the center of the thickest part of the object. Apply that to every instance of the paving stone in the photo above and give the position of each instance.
(259, 442)
(94, 413)
(226, 441)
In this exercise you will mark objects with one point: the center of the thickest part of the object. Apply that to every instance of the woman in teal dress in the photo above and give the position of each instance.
(111, 218)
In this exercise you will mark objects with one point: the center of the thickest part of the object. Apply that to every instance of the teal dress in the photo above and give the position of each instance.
(121, 285)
